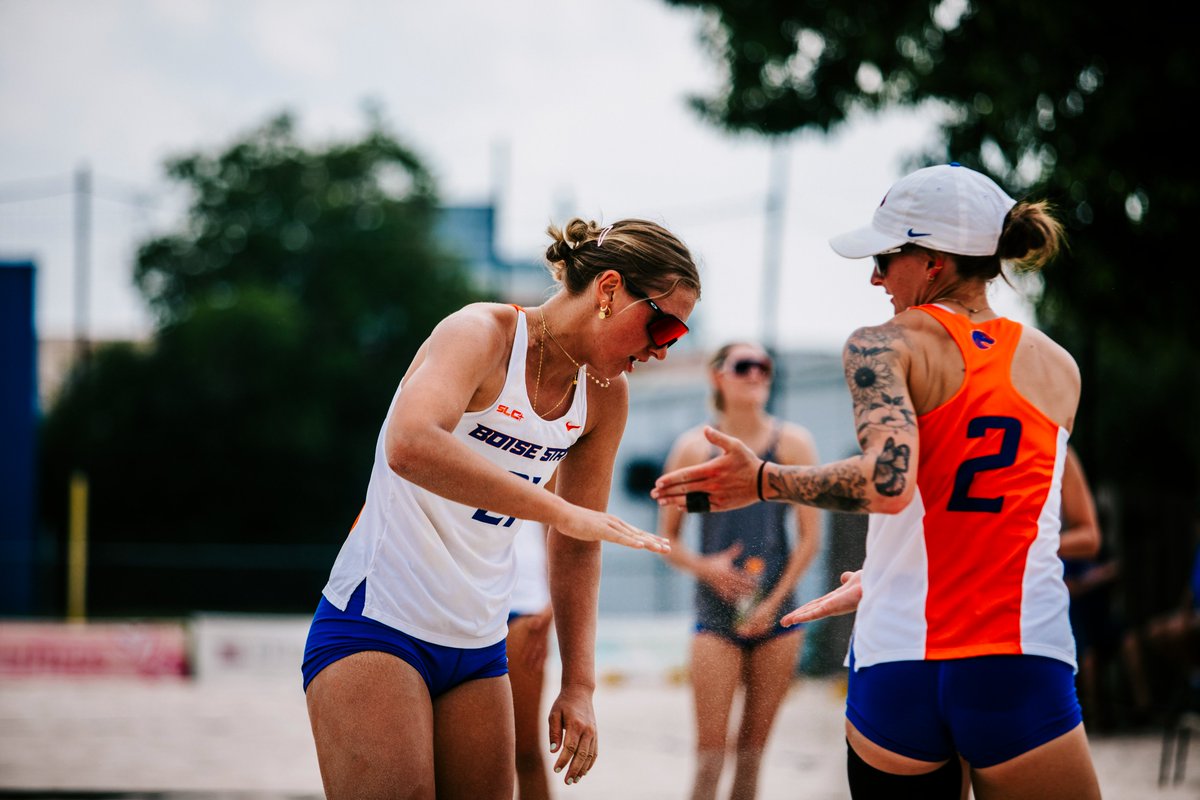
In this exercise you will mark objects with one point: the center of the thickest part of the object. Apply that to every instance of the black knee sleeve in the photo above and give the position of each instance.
(866, 782)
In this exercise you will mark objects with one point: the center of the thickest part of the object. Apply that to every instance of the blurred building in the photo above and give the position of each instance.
(471, 231)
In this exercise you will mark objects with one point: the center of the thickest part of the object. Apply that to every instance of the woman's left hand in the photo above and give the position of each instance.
(589, 525)
(573, 732)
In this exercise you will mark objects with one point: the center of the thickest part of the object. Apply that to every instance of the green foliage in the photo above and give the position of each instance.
(288, 308)
(1077, 104)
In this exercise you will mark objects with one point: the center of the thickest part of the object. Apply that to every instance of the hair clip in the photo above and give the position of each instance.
(603, 233)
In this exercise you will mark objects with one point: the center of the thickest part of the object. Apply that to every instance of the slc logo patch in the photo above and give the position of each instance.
(982, 340)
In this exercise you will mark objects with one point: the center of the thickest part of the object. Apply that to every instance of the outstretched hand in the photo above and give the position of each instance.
(730, 480)
(596, 526)
(842, 600)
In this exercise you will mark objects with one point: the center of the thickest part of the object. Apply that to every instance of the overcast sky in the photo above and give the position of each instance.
(588, 99)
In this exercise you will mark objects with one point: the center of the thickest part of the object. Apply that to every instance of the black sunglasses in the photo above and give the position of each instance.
(744, 366)
(664, 329)
(881, 261)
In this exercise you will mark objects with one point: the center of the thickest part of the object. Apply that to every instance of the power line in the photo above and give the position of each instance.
(30, 189)
(134, 195)
(718, 211)
(103, 187)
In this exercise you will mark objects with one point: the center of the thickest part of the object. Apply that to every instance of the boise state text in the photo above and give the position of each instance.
(518, 447)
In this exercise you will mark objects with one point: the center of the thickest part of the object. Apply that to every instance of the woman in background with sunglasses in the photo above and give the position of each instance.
(404, 670)
(746, 571)
(962, 646)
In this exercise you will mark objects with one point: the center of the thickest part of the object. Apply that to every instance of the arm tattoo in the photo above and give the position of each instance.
(881, 402)
(836, 487)
(891, 468)
(880, 395)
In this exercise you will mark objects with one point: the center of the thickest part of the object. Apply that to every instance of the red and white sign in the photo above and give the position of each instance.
(133, 649)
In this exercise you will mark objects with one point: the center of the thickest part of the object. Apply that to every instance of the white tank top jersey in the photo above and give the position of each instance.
(438, 570)
(532, 592)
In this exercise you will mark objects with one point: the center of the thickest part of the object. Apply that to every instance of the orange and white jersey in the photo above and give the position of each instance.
(439, 570)
(971, 566)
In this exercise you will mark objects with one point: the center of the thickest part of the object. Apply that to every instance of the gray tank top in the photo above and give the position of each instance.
(761, 529)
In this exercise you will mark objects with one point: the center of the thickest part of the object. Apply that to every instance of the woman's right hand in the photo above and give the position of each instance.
(597, 526)
(723, 576)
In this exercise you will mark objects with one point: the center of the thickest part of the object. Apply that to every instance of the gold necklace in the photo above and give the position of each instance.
(537, 387)
(961, 303)
(578, 366)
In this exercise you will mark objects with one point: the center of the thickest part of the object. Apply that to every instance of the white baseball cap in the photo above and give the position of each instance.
(948, 207)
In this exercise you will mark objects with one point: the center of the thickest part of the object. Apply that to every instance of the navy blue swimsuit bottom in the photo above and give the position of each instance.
(336, 634)
(988, 708)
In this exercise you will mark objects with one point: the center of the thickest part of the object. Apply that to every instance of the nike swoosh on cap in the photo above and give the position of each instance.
(913, 234)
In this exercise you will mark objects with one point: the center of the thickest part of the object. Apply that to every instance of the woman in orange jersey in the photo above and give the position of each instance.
(746, 570)
(962, 644)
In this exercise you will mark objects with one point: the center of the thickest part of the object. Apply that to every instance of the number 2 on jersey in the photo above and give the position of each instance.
(960, 498)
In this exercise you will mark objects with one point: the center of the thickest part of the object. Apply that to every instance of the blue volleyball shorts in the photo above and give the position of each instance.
(988, 708)
(336, 634)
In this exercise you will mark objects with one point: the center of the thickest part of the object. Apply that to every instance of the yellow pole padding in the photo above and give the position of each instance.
(77, 550)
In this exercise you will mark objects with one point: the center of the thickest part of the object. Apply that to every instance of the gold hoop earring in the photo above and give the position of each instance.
(604, 312)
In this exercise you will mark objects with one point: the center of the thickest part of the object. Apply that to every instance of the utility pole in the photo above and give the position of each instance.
(77, 558)
(83, 257)
(772, 253)
(773, 238)
(501, 280)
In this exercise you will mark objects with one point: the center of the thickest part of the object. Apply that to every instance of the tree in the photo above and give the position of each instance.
(287, 308)
(1077, 104)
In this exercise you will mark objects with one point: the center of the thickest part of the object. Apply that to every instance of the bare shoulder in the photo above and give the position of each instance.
(475, 339)
(796, 445)
(892, 336)
(488, 320)
(691, 447)
(917, 328)
(485, 330)
(1047, 348)
(877, 356)
(1047, 375)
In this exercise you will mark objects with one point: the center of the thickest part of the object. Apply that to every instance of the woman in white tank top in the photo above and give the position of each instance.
(496, 401)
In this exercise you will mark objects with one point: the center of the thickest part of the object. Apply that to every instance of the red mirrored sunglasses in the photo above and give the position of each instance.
(664, 329)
